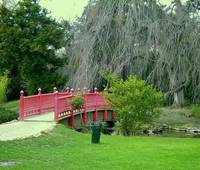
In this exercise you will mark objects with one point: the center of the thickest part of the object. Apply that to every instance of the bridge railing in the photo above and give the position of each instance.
(37, 104)
(63, 107)
(92, 102)
(59, 103)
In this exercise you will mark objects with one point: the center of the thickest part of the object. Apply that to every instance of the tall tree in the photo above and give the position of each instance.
(29, 40)
(177, 40)
(157, 43)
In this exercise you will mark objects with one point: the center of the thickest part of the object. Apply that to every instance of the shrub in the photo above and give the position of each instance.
(134, 102)
(77, 102)
(3, 88)
(195, 110)
(7, 115)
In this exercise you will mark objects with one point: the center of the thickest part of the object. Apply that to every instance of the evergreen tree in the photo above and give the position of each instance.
(29, 39)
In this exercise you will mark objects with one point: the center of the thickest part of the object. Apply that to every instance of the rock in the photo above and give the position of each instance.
(158, 131)
(150, 132)
(166, 127)
(193, 130)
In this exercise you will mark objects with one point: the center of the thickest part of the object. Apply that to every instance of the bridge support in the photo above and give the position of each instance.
(71, 119)
(105, 115)
(95, 115)
(85, 117)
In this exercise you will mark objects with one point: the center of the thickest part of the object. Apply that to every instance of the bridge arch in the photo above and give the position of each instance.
(59, 103)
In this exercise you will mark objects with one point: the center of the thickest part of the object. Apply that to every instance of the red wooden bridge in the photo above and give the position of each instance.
(59, 104)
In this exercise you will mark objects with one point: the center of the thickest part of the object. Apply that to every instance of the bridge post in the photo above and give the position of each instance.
(105, 115)
(95, 90)
(67, 90)
(21, 113)
(84, 90)
(95, 116)
(85, 117)
(72, 91)
(39, 100)
(55, 89)
(56, 106)
(71, 119)
(78, 91)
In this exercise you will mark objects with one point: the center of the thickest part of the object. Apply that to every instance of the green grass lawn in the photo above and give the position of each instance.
(12, 105)
(65, 149)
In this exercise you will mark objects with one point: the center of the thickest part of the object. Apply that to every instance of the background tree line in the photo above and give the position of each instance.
(155, 42)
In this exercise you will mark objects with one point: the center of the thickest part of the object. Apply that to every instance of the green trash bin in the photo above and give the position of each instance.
(96, 132)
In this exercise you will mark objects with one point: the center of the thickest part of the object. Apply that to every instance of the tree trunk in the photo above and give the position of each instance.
(177, 90)
(179, 98)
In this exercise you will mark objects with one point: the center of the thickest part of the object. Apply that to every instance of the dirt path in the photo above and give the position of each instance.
(30, 127)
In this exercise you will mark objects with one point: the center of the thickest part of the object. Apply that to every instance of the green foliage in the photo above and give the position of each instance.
(29, 42)
(77, 102)
(134, 102)
(3, 88)
(195, 110)
(12, 105)
(7, 115)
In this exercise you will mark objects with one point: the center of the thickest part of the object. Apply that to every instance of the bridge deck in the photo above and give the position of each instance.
(30, 127)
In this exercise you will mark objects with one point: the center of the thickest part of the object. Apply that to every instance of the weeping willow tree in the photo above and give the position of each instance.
(159, 44)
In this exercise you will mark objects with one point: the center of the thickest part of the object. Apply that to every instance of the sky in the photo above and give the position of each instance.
(70, 9)
(66, 9)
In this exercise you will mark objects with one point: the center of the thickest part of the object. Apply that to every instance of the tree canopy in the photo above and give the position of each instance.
(29, 40)
(159, 44)
(134, 102)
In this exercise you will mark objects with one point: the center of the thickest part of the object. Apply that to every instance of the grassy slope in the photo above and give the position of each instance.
(65, 149)
(13, 105)
(178, 117)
